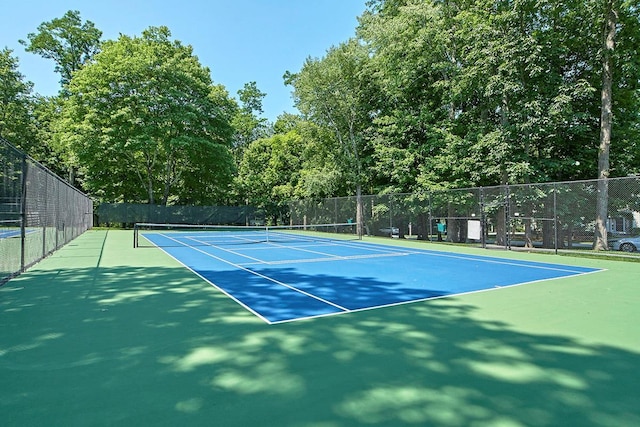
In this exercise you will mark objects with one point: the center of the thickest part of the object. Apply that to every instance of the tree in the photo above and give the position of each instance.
(412, 65)
(333, 92)
(146, 123)
(247, 122)
(488, 92)
(16, 104)
(606, 118)
(68, 41)
(269, 173)
(299, 162)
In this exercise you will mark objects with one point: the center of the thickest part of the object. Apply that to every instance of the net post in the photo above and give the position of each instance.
(135, 235)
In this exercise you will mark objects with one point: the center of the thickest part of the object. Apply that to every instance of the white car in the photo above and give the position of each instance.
(391, 231)
(626, 244)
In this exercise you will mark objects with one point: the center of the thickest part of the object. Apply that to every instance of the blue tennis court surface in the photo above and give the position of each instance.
(281, 282)
(11, 232)
(14, 232)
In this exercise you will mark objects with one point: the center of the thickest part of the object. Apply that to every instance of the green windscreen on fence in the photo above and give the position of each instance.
(39, 211)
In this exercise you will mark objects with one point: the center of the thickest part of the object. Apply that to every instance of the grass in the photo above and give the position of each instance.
(101, 334)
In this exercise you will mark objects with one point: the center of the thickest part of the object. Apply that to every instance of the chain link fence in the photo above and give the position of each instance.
(559, 215)
(39, 212)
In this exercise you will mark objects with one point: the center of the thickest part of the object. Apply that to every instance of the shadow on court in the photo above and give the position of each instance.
(316, 292)
(107, 335)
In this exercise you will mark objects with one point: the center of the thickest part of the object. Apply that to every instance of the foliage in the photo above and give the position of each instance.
(68, 41)
(333, 92)
(269, 172)
(16, 103)
(246, 122)
(147, 124)
(430, 95)
(298, 163)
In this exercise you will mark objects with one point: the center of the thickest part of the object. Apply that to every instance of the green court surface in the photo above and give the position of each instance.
(102, 334)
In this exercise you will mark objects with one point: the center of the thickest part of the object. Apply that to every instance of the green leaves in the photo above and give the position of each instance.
(334, 92)
(482, 93)
(148, 109)
(68, 41)
(430, 94)
(16, 104)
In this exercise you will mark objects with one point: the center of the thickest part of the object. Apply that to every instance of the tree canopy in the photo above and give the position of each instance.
(427, 95)
(68, 41)
(16, 102)
(147, 123)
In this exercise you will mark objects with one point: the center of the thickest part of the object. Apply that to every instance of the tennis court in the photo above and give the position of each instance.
(280, 273)
(9, 229)
(104, 334)
(14, 233)
(7, 234)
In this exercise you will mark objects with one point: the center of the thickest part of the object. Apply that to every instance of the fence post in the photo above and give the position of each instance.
(483, 220)
(23, 212)
(44, 217)
(555, 216)
(507, 218)
(430, 218)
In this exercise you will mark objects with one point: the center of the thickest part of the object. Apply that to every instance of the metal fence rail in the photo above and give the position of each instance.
(39, 212)
(550, 215)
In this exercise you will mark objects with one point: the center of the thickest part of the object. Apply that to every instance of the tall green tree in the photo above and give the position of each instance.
(321, 173)
(25, 118)
(511, 88)
(68, 41)
(298, 162)
(606, 119)
(146, 123)
(413, 62)
(484, 92)
(247, 122)
(16, 104)
(333, 92)
(269, 173)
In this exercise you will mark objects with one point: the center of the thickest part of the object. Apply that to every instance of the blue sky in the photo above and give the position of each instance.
(239, 40)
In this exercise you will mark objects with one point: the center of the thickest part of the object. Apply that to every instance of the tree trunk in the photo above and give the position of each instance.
(150, 187)
(528, 240)
(606, 117)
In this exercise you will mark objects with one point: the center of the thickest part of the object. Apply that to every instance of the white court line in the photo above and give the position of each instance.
(225, 250)
(325, 256)
(469, 257)
(325, 259)
(293, 288)
(367, 247)
(392, 252)
(530, 264)
(236, 238)
(258, 315)
(329, 256)
(388, 250)
(394, 304)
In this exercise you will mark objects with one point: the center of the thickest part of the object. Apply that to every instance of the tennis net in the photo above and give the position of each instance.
(163, 235)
